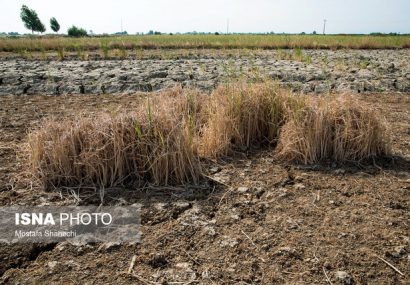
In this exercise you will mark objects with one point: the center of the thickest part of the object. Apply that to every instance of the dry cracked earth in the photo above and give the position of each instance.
(253, 220)
(316, 71)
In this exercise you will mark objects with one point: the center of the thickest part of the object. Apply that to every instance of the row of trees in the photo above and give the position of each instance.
(32, 21)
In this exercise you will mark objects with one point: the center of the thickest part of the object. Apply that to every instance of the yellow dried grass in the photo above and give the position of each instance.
(151, 145)
(339, 129)
(242, 115)
(164, 140)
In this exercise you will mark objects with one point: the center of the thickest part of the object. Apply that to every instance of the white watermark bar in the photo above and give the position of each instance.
(85, 224)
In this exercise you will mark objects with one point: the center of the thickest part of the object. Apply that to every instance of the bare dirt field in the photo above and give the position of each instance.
(255, 221)
(310, 71)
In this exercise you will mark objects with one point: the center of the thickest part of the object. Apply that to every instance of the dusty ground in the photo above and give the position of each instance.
(265, 223)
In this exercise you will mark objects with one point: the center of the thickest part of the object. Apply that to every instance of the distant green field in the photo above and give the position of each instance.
(53, 43)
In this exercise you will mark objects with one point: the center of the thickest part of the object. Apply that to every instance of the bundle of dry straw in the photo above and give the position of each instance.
(338, 129)
(242, 115)
(164, 141)
(153, 144)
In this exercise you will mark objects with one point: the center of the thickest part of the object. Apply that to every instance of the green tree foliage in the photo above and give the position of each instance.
(40, 27)
(54, 25)
(77, 32)
(31, 20)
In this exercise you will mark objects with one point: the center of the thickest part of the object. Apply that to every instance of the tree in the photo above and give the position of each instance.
(77, 32)
(40, 27)
(54, 25)
(31, 20)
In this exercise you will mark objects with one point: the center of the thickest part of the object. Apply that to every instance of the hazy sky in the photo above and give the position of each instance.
(291, 16)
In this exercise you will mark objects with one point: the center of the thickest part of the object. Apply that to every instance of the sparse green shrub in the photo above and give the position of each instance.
(122, 53)
(77, 32)
(105, 49)
(43, 54)
(297, 54)
(26, 54)
(81, 54)
(60, 53)
(280, 54)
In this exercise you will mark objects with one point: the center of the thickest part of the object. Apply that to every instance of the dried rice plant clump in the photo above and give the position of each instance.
(163, 141)
(186, 105)
(242, 115)
(151, 145)
(340, 129)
